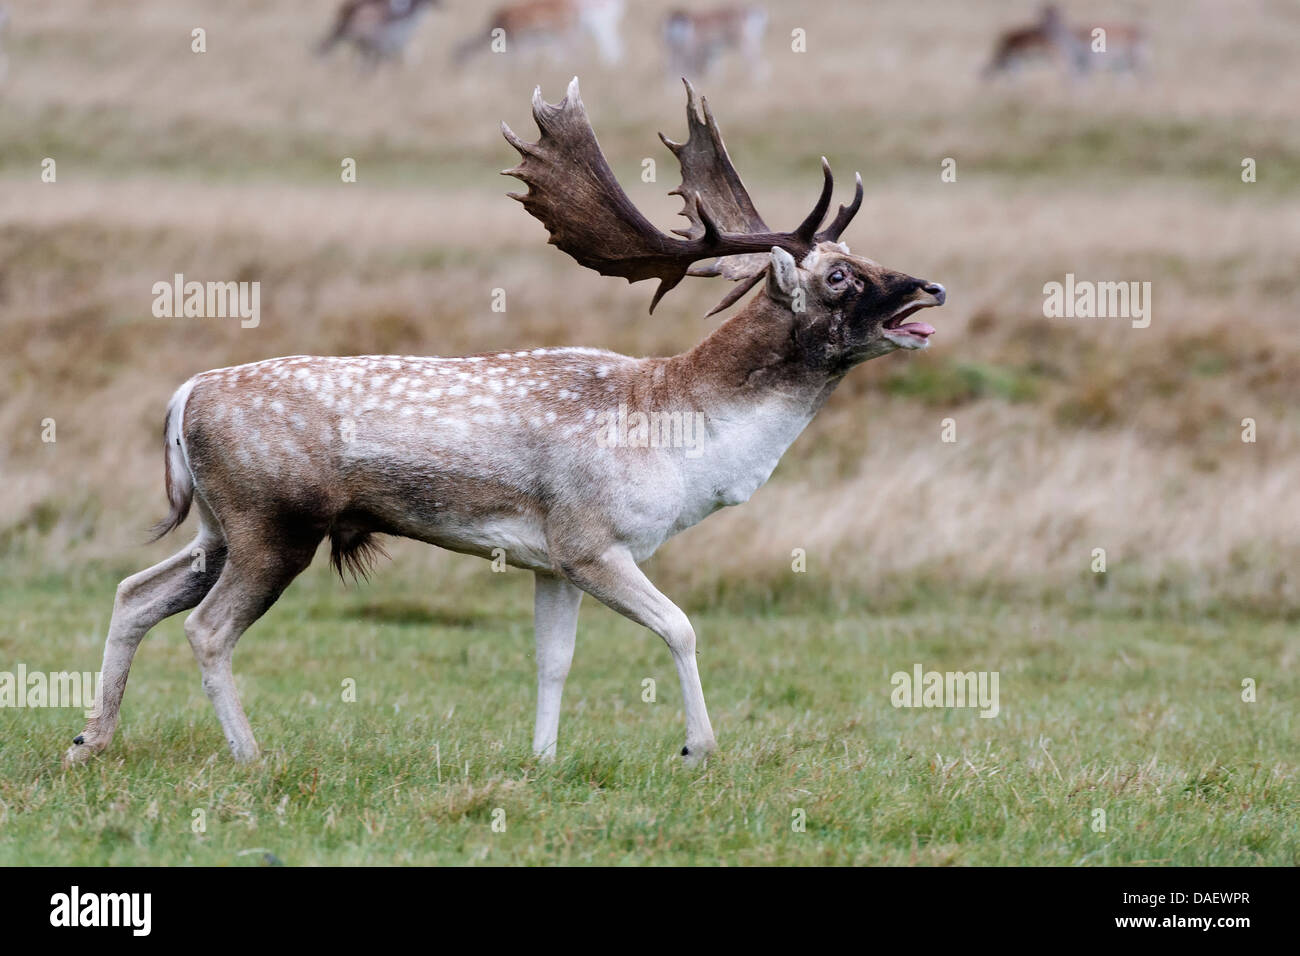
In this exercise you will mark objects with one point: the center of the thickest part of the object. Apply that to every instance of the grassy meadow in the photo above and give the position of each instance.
(1120, 691)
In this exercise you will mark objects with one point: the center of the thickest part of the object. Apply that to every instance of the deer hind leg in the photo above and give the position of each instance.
(615, 580)
(254, 577)
(143, 600)
(555, 624)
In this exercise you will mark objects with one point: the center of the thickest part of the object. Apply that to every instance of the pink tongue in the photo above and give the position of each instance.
(917, 328)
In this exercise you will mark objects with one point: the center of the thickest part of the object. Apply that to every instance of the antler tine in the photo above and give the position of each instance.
(737, 292)
(692, 119)
(543, 111)
(666, 284)
(808, 228)
(845, 215)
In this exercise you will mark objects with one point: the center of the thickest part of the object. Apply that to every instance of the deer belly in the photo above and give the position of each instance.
(453, 504)
(503, 539)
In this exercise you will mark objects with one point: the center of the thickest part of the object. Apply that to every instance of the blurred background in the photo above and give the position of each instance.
(1072, 434)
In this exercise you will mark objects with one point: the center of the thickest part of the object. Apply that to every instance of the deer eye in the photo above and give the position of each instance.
(836, 276)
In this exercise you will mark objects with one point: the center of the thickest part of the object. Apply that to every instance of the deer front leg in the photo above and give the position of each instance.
(555, 624)
(615, 580)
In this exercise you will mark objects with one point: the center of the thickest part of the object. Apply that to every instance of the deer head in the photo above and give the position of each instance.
(842, 308)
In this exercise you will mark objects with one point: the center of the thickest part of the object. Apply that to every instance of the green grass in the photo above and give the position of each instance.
(1138, 716)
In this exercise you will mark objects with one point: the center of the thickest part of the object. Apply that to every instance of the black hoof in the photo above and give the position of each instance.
(686, 752)
(79, 739)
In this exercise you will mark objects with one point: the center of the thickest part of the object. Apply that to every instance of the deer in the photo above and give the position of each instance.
(511, 452)
(696, 41)
(378, 29)
(1048, 40)
(1051, 39)
(551, 25)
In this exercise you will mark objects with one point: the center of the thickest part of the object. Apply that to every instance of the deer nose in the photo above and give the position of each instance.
(936, 290)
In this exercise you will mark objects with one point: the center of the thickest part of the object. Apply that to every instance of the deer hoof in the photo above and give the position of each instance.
(77, 754)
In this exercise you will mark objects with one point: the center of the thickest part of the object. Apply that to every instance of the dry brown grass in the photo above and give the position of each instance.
(1071, 434)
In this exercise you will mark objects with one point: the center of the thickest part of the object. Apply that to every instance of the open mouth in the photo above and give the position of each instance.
(909, 335)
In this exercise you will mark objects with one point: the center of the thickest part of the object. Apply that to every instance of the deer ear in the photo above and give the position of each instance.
(782, 277)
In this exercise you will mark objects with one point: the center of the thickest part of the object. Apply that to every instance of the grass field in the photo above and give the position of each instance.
(1120, 691)
(1136, 715)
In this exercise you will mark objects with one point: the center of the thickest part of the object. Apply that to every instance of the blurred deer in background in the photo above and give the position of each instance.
(377, 29)
(554, 27)
(696, 41)
(1052, 40)
(1049, 40)
(517, 454)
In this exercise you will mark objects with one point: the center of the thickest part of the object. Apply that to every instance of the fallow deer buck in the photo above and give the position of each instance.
(504, 450)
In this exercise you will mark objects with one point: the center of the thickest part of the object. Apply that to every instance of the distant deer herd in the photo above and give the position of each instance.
(695, 42)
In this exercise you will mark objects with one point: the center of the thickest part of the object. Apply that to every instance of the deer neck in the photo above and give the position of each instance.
(752, 358)
(757, 388)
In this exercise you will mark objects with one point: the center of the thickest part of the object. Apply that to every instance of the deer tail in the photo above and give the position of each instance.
(178, 479)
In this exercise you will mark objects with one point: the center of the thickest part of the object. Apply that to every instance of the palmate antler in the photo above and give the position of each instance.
(574, 194)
